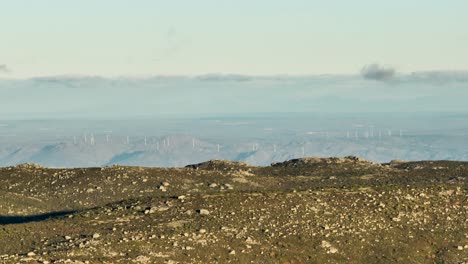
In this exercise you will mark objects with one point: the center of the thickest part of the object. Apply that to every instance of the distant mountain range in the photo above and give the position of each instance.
(181, 150)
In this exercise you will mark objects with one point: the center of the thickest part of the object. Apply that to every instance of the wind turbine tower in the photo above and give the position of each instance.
(92, 140)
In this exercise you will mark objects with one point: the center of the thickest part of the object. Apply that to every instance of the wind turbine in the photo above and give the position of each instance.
(128, 140)
(274, 148)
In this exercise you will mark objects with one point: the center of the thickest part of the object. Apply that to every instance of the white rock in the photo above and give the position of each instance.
(325, 244)
(203, 212)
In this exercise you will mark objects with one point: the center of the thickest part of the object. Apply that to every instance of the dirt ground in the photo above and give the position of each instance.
(311, 210)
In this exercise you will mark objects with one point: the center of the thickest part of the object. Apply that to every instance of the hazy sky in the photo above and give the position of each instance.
(148, 37)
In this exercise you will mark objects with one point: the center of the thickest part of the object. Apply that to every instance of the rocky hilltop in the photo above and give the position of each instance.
(311, 210)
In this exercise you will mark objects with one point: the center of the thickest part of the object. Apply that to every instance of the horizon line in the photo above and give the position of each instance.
(219, 74)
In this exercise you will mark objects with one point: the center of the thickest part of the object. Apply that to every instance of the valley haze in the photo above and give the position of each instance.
(253, 119)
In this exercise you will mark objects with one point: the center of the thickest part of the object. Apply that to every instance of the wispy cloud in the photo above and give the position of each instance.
(438, 77)
(4, 68)
(225, 77)
(378, 72)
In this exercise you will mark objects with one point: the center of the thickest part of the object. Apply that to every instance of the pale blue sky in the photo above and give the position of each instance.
(152, 37)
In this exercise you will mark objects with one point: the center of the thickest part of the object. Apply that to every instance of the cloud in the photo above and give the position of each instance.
(378, 72)
(4, 68)
(439, 77)
(225, 77)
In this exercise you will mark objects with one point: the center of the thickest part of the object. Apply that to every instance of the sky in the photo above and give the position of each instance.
(255, 37)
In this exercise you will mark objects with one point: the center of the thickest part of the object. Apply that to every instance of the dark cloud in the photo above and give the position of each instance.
(378, 72)
(4, 68)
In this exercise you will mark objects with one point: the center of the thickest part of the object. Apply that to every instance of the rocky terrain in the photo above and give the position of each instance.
(311, 210)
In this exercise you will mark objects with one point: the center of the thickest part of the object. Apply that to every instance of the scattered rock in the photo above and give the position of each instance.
(203, 212)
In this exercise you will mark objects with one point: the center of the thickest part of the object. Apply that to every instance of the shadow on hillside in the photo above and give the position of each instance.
(9, 220)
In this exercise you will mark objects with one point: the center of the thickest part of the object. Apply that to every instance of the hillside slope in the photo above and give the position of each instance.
(311, 210)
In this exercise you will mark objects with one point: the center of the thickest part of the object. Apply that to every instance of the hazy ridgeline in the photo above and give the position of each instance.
(257, 139)
(94, 121)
